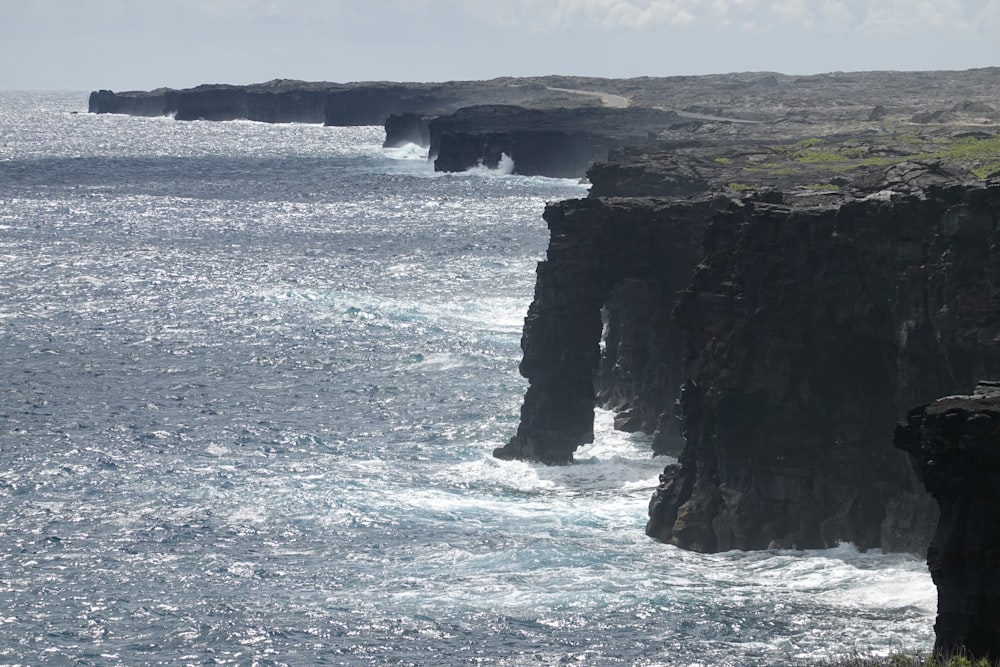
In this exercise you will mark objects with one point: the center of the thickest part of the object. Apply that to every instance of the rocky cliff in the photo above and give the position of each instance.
(629, 258)
(561, 143)
(811, 315)
(366, 103)
(954, 444)
(810, 328)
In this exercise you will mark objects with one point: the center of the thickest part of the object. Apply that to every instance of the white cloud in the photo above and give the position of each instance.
(873, 16)
(623, 13)
(794, 11)
(895, 16)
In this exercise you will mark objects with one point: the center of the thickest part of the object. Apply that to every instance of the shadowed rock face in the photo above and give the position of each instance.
(561, 143)
(954, 444)
(631, 256)
(407, 128)
(808, 324)
(809, 330)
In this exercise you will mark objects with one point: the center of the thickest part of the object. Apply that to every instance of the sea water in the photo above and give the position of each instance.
(251, 377)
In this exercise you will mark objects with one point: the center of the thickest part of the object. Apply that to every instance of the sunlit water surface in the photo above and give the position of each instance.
(250, 379)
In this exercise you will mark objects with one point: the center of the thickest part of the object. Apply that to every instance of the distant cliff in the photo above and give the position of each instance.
(369, 103)
(548, 142)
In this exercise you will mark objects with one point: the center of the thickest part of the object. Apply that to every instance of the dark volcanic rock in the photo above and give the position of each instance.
(153, 103)
(549, 142)
(810, 329)
(810, 320)
(407, 128)
(631, 256)
(367, 103)
(954, 444)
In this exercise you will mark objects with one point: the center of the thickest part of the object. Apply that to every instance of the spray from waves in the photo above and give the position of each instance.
(587, 557)
(407, 151)
(505, 167)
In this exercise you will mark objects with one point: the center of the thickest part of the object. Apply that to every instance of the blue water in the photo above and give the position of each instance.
(250, 379)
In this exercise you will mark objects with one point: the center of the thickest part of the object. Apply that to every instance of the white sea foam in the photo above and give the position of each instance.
(505, 167)
(407, 152)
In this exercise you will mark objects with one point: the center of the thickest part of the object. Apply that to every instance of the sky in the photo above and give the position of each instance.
(145, 44)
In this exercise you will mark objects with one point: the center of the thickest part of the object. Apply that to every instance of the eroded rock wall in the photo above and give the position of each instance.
(810, 329)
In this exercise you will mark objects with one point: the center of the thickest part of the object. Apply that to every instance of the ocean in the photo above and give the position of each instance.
(251, 377)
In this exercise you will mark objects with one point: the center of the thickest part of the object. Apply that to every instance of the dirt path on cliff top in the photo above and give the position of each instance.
(607, 99)
(621, 102)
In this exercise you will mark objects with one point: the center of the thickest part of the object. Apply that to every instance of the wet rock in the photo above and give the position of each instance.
(407, 128)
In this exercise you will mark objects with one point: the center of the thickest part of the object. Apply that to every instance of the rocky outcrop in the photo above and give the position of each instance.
(160, 102)
(954, 444)
(277, 101)
(407, 128)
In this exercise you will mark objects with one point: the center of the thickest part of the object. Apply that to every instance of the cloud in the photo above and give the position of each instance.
(635, 14)
(794, 11)
(828, 16)
(896, 16)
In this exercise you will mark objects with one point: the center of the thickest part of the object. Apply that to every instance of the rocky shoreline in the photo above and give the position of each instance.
(775, 268)
(560, 126)
(768, 272)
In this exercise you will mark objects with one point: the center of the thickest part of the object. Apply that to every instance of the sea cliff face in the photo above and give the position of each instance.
(560, 143)
(810, 329)
(365, 103)
(790, 328)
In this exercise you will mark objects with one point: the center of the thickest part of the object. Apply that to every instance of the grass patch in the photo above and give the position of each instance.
(724, 160)
(985, 170)
(972, 148)
(809, 143)
(812, 157)
(913, 660)
(741, 187)
(822, 187)
(978, 156)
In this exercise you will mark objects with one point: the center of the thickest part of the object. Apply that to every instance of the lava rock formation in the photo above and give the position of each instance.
(954, 444)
